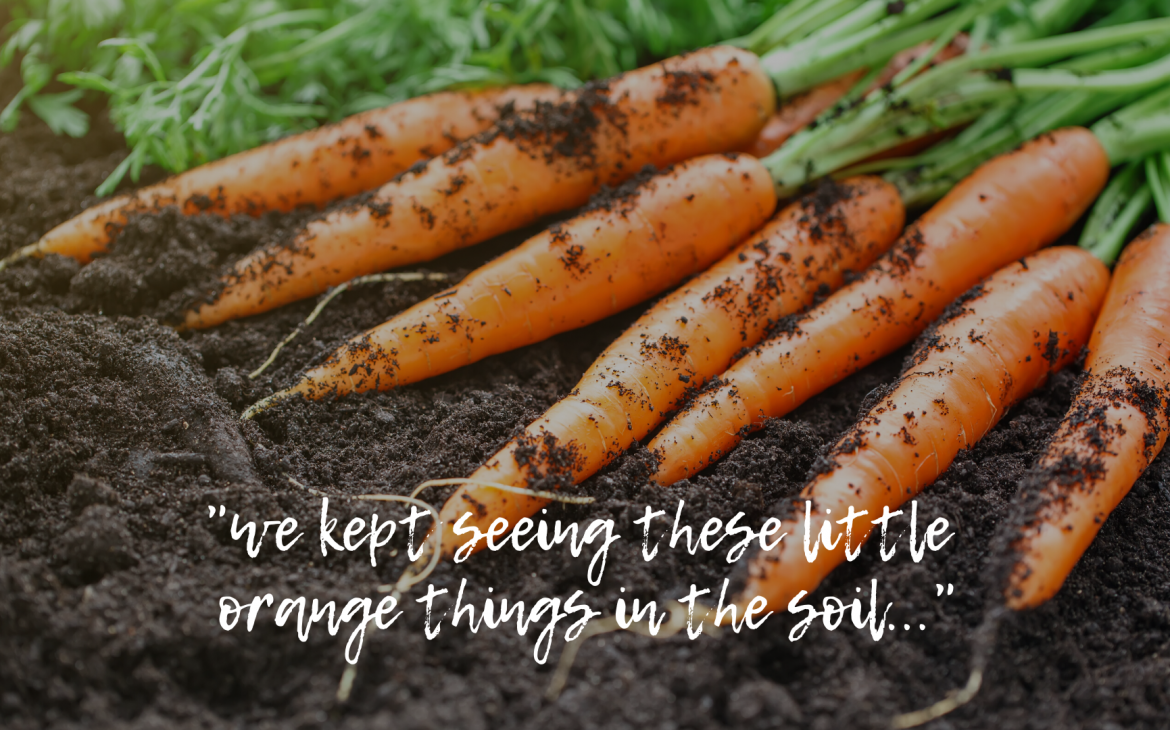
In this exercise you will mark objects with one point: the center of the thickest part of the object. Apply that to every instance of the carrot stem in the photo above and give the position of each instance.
(1130, 11)
(1158, 176)
(1136, 130)
(1006, 128)
(876, 52)
(925, 178)
(962, 19)
(816, 60)
(1114, 239)
(1124, 203)
(853, 36)
(793, 22)
(879, 127)
(1033, 53)
(1044, 18)
(1080, 90)
(1135, 79)
(1109, 205)
(1122, 56)
(863, 86)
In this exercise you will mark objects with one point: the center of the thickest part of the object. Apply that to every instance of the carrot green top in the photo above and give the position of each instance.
(1007, 94)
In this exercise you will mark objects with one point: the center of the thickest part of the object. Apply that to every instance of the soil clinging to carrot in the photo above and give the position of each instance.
(110, 570)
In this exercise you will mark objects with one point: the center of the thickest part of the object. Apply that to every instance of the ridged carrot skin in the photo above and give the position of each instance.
(993, 347)
(688, 337)
(531, 165)
(1116, 426)
(335, 161)
(1008, 208)
(633, 245)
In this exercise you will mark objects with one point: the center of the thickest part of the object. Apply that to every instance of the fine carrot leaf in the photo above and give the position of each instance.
(58, 112)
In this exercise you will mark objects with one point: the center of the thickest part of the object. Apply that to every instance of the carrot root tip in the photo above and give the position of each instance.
(345, 686)
(332, 294)
(265, 403)
(538, 494)
(954, 700)
(19, 254)
(983, 641)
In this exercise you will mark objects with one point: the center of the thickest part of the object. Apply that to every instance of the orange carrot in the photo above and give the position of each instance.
(335, 161)
(688, 337)
(993, 347)
(1008, 208)
(799, 111)
(628, 247)
(531, 165)
(1116, 426)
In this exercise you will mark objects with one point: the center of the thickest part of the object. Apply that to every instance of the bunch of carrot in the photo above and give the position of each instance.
(313, 168)
(1002, 315)
(976, 361)
(414, 345)
(1115, 427)
(678, 222)
(1009, 209)
(709, 360)
(541, 154)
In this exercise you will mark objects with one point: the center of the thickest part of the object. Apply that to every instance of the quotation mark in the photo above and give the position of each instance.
(211, 511)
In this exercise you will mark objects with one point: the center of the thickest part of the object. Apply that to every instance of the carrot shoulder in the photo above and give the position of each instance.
(631, 245)
(313, 168)
(992, 348)
(1116, 426)
(529, 166)
(685, 339)
(1008, 208)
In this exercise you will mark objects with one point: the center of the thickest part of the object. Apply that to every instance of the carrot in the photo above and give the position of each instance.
(623, 249)
(1116, 426)
(994, 346)
(1010, 207)
(531, 165)
(313, 168)
(799, 111)
(337, 160)
(688, 337)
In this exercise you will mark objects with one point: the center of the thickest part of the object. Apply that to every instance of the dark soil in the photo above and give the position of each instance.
(116, 434)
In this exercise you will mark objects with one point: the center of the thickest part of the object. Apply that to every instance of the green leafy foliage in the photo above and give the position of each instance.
(189, 81)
